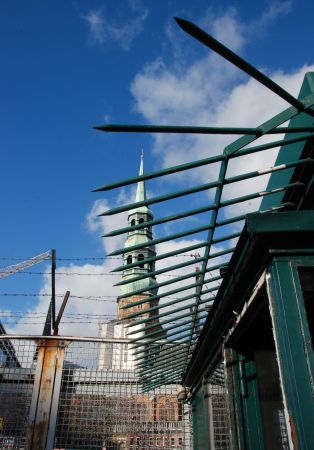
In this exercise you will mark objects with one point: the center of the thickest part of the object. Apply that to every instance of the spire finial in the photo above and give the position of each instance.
(142, 163)
(141, 191)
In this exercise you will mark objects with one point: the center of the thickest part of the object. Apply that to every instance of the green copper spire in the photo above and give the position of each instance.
(141, 193)
(140, 190)
(136, 216)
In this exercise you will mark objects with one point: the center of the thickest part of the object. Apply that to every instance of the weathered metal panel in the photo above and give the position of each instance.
(289, 321)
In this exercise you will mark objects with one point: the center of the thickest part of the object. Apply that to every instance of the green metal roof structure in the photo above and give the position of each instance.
(185, 314)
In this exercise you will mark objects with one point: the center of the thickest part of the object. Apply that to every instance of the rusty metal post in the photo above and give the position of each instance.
(43, 410)
(61, 311)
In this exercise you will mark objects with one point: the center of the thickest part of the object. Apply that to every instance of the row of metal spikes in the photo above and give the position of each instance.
(165, 361)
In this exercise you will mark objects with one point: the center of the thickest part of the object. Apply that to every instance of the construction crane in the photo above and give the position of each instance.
(51, 323)
(49, 255)
(10, 270)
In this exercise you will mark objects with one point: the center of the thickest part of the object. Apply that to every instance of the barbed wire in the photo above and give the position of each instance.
(85, 258)
(6, 313)
(40, 323)
(78, 274)
(99, 298)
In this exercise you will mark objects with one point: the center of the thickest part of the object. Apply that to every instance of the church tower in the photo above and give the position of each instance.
(147, 285)
(115, 356)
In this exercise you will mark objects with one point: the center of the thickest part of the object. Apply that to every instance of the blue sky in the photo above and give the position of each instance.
(67, 66)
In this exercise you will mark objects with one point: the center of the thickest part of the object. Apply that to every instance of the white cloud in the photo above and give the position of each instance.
(73, 278)
(208, 91)
(104, 28)
(270, 15)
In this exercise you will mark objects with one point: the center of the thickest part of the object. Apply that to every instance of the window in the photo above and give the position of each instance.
(141, 220)
(140, 258)
(167, 412)
(132, 222)
(129, 259)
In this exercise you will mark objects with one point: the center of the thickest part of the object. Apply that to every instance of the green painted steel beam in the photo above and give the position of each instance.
(172, 378)
(176, 353)
(165, 322)
(234, 148)
(213, 220)
(199, 163)
(157, 297)
(202, 210)
(156, 333)
(207, 291)
(153, 326)
(156, 340)
(160, 240)
(239, 62)
(162, 256)
(158, 272)
(244, 198)
(159, 363)
(160, 359)
(214, 184)
(177, 343)
(187, 129)
(153, 373)
(166, 294)
(174, 350)
(161, 198)
(266, 171)
(162, 220)
(177, 327)
(182, 308)
(181, 332)
(159, 285)
(164, 305)
(151, 387)
(169, 370)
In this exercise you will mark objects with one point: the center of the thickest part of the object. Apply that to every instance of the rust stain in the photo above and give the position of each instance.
(294, 433)
(48, 353)
(39, 436)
